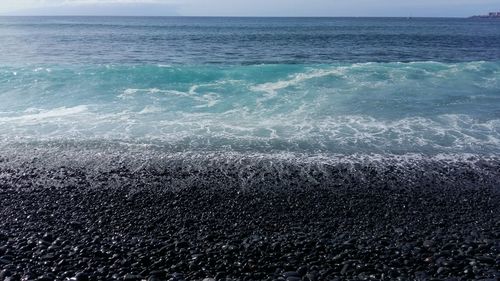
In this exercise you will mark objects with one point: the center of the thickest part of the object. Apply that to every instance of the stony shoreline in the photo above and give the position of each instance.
(109, 225)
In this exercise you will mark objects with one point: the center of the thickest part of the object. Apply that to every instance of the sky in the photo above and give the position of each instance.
(404, 8)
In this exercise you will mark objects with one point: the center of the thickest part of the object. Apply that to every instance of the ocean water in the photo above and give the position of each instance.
(343, 86)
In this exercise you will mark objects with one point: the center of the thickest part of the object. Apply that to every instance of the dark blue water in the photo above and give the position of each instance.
(254, 85)
(99, 40)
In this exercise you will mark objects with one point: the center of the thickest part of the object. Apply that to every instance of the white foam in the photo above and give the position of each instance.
(150, 109)
(208, 99)
(246, 129)
(41, 69)
(271, 88)
(35, 116)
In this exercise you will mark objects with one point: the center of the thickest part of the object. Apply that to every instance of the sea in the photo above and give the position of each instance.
(240, 91)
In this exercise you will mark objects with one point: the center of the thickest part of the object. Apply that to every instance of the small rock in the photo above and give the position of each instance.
(182, 244)
(428, 243)
(4, 274)
(81, 276)
(45, 277)
(157, 275)
(131, 277)
(442, 270)
(421, 275)
(302, 270)
(291, 274)
(5, 259)
(176, 276)
(345, 268)
(312, 276)
(14, 277)
(486, 259)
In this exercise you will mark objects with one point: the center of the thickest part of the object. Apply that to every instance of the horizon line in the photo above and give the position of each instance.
(215, 16)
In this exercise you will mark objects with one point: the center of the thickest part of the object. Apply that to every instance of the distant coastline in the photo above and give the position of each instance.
(491, 15)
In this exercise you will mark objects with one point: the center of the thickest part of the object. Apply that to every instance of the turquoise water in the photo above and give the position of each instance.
(427, 107)
(281, 85)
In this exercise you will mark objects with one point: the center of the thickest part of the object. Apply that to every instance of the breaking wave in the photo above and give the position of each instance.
(387, 108)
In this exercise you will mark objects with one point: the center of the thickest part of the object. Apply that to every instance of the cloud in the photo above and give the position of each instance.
(97, 2)
(251, 7)
(99, 8)
(95, 7)
(16, 5)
